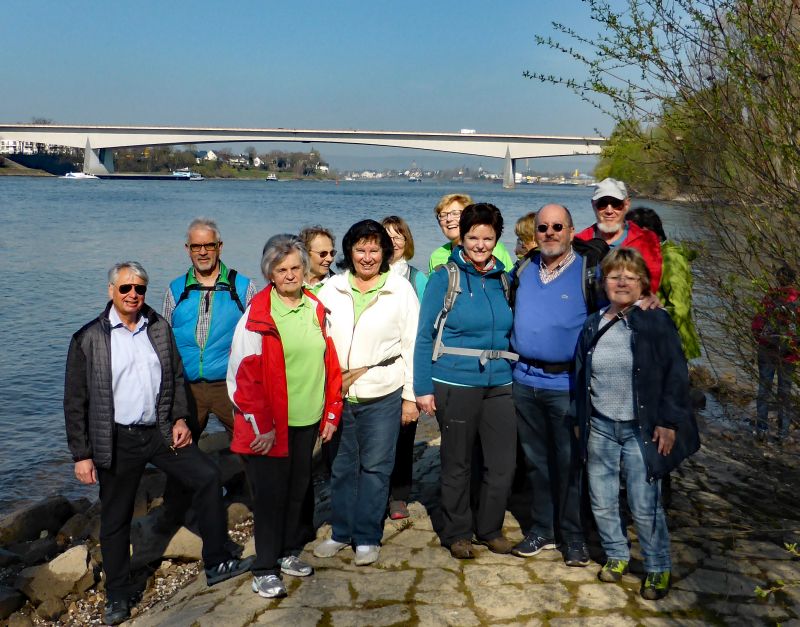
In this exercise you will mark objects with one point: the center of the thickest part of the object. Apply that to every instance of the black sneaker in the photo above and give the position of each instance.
(533, 545)
(227, 570)
(656, 586)
(116, 612)
(576, 554)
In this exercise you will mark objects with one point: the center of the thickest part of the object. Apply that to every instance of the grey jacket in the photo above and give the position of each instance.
(88, 395)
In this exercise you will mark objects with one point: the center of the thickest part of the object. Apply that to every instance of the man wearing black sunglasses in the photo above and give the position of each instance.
(125, 406)
(610, 202)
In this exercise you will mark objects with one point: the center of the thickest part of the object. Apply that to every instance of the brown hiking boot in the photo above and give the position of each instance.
(461, 550)
(500, 544)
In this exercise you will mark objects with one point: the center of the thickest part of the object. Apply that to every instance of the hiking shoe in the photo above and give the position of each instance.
(268, 586)
(577, 554)
(500, 545)
(613, 570)
(366, 554)
(227, 570)
(116, 612)
(398, 510)
(328, 548)
(533, 545)
(462, 550)
(294, 566)
(656, 586)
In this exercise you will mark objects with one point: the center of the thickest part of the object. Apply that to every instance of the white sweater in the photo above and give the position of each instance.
(386, 328)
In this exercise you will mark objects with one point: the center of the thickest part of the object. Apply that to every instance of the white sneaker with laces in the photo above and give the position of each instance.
(328, 548)
(367, 554)
(268, 586)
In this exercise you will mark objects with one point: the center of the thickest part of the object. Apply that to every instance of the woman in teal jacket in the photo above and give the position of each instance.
(466, 382)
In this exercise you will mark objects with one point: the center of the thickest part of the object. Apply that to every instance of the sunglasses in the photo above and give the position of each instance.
(325, 253)
(126, 287)
(616, 203)
(542, 228)
(195, 248)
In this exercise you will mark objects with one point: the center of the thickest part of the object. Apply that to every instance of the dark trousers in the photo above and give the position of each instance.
(279, 486)
(400, 482)
(133, 450)
(465, 414)
(551, 458)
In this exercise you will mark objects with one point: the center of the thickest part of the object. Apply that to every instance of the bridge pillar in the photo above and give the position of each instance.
(509, 170)
(100, 161)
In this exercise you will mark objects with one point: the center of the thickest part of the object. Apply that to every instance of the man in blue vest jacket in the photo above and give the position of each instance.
(203, 307)
(550, 309)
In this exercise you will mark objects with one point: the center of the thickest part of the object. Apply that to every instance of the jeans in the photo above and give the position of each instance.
(769, 364)
(466, 415)
(362, 467)
(611, 444)
(551, 460)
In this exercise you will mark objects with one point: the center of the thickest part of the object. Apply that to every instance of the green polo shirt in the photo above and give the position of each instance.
(441, 255)
(304, 354)
(362, 299)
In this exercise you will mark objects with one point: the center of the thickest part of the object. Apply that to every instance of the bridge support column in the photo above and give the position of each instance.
(509, 170)
(100, 161)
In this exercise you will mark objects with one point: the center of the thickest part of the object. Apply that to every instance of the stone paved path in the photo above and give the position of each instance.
(728, 523)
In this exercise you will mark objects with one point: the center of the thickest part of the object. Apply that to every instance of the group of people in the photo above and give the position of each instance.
(566, 351)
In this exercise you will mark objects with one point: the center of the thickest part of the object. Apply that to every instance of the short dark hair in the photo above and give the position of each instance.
(481, 213)
(365, 230)
(647, 219)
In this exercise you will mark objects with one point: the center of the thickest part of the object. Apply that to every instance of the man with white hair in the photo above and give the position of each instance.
(610, 202)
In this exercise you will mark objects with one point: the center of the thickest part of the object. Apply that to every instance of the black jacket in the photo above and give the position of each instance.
(88, 395)
(660, 387)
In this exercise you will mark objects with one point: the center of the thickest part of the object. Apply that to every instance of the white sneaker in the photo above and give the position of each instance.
(367, 554)
(328, 548)
(268, 586)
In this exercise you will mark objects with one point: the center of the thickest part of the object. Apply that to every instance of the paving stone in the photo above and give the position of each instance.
(392, 557)
(476, 575)
(433, 558)
(549, 572)
(685, 553)
(389, 615)
(673, 622)
(323, 590)
(390, 586)
(187, 615)
(610, 620)
(752, 611)
(742, 567)
(438, 579)
(779, 569)
(759, 550)
(676, 601)
(297, 617)
(441, 597)
(432, 616)
(510, 601)
(414, 538)
(484, 556)
(600, 596)
(718, 582)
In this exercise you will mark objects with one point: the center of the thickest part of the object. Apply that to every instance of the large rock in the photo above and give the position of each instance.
(69, 572)
(151, 545)
(36, 551)
(28, 522)
(76, 529)
(51, 609)
(19, 619)
(8, 557)
(10, 601)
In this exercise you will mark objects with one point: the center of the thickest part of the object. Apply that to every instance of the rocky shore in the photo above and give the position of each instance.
(734, 518)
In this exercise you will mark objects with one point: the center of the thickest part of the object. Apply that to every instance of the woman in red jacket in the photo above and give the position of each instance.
(285, 383)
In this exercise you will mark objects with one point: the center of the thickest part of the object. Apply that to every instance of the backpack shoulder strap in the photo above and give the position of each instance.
(511, 280)
(453, 290)
(232, 274)
(185, 293)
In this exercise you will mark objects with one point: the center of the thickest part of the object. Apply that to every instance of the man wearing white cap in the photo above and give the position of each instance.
(610, 203)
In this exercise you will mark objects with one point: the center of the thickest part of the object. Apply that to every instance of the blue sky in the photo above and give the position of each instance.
(436, 65)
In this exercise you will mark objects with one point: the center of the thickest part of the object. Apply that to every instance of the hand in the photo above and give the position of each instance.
(262, 444)
(181, 436)
(409, 414)
(327, 431)
(649, 302)
(85, 471)
(427, 404)
(665, 439)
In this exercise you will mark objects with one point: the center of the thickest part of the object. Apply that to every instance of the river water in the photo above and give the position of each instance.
(58, 238)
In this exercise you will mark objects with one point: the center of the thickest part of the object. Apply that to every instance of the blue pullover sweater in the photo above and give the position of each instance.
(548, 319)
(480, 318)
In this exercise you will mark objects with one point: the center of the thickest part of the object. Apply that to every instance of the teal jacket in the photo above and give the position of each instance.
(675, 292)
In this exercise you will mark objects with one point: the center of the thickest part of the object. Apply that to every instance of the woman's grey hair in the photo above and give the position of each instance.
(203, 223)
(277, 248)
(134, 266)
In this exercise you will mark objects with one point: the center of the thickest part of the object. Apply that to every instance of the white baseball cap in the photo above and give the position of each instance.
(610, 187)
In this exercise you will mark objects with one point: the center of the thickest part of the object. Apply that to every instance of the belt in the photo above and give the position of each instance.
(137, 426)
(548, 367)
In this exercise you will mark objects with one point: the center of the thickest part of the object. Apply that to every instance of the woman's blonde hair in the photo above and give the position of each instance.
(627, 259)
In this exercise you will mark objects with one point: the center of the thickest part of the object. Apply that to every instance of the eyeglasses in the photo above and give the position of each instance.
(325, 253)
(615, 203)
(446, 215)
(398, 239)
(621, 278)
(126, 287)
(195, 248)
(542, 228)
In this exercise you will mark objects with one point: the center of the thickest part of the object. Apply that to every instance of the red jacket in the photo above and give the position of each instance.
(776, 326)
(646, 242)
(257, 378)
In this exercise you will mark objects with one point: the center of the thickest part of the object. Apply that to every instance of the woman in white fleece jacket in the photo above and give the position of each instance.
(373, 323)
